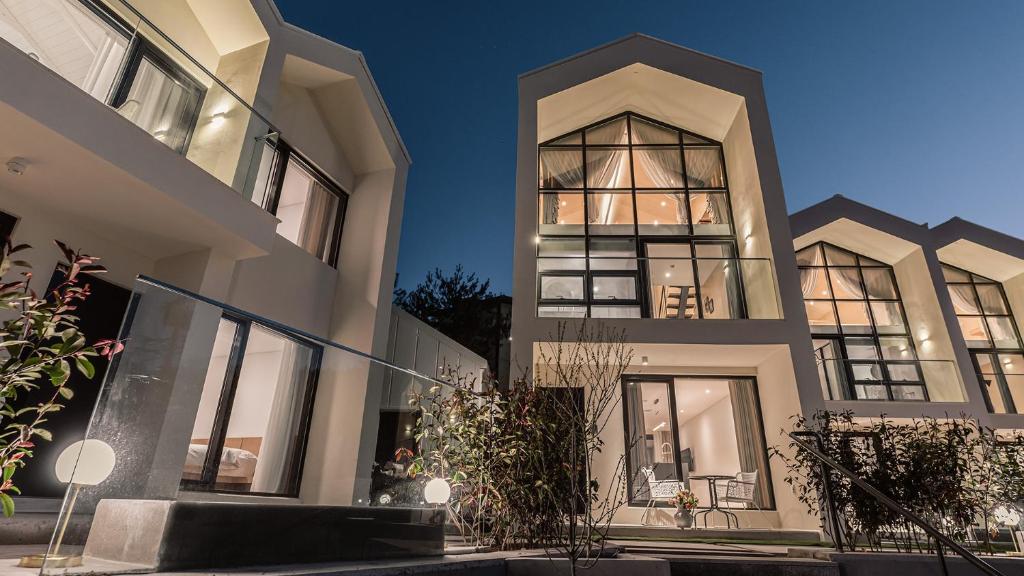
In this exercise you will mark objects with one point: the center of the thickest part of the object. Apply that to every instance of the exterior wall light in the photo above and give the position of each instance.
(219, 118)
(17, 165)
(437, 491)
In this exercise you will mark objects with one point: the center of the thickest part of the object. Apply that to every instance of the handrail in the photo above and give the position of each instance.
(940, 538)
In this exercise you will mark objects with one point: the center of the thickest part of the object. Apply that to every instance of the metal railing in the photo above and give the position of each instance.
(829, 465)
(713, 288)
(904, 380)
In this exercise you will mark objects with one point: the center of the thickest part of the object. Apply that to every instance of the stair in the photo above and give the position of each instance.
(673, 302)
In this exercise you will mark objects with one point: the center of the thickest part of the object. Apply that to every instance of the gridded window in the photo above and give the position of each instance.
(990, 332)
(603, 190)
(861, 339)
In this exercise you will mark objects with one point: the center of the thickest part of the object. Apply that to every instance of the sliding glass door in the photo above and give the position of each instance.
(250, 430)
(683, 426)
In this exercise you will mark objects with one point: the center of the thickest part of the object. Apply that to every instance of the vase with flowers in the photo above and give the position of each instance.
(685, 503)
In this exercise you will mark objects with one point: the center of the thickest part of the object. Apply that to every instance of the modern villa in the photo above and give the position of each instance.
(243, 183)
(648, 198)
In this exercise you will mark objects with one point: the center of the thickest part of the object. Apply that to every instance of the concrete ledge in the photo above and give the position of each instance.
(623, 565)
(172, 535)
(873, 563)
(723, 534)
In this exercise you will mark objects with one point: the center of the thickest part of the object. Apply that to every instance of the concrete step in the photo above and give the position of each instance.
(749, 566)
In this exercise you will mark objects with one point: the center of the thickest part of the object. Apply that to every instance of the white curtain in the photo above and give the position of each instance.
(318, 221)
(749, 436)
(848, 280)
(808, 279)
(561, 168)
(276, 458)
(963, 299)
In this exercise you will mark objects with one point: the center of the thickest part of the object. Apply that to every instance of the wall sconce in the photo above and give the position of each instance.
(219, 118)
(17, 165)
(643, 360)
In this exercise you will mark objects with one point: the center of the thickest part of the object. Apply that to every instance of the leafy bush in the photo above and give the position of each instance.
(38, 344)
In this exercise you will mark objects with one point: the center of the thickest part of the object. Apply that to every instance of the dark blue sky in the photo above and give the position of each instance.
(915, 107)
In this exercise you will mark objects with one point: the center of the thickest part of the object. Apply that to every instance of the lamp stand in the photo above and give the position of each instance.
(56, 560)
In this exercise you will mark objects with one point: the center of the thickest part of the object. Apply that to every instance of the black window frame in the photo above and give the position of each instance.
(685, 140)
(841, 337)
(1000, 383)
(8, 222)
(218, 434)
(283, 154)
(669, 381)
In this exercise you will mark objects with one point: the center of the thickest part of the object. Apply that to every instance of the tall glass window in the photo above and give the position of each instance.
(253, 419)
(991, 334)
(608, 194)
(861, 340)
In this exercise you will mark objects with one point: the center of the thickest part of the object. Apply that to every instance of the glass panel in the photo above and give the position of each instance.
(658, 167)
(719, 284)
(1002, 332)
(915, 393)
(653, 453)
(576, 138)
(896, 348)
(261, 447)
(645, 132)
(561, 168)
(879, 283)
(261, 189)
(710, 213)
(861, 349)
(670, 274)
(954, 275)
(830, 369)
(814, 283)
(837, 257)
(865, 261)
(903, 372)
(810, 256)
(561, 254)
(1015, 385)
(614, 288)
(694, 139)
(964, 301)
(981, 279)
(561, 311)
(888, 318)
(608, 168)
(612, 132)
(871, 392)
(560, 213)
(659, 213)
(846, 283)
(209, 399)
(992, 301)
(867, 372)
(612, 254)
(704, 168)
(821, 316)
(163, 106)
(854, 317)
(561, 288)
(614, 311)
(307, 210)
(610, 213)
(1012, 364)
(974, 330)
(67, 38)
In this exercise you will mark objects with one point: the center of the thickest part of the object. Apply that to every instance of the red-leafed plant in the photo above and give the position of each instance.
(39, 341)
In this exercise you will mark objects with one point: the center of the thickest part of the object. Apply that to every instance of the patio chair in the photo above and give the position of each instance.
(657, 490)
(741, 490)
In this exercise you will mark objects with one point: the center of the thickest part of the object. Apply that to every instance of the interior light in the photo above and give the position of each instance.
(658, 427)
(536, 239)
(663, 204)
(668, 274)
(597, 288)
(160, 134)
(655, 222)
(561, 221)
(707, 390)
(564, 203)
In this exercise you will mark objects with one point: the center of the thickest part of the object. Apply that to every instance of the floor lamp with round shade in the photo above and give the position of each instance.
(84, 463)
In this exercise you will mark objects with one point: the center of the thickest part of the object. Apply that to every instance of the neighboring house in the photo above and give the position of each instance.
(648, 197)
(213, 147)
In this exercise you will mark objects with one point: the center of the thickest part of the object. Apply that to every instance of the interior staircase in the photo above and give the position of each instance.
(674, 305)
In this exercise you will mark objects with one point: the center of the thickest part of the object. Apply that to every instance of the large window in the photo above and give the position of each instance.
(679, 427)
(990, 332)
(310, 206)
(250, 431)
(621, 204)
(97, 51)
(861, 340)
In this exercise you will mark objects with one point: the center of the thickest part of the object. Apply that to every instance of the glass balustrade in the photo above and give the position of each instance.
(895, 379)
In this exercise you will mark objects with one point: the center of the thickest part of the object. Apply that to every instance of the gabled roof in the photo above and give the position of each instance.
(840, 207)
(959, 229)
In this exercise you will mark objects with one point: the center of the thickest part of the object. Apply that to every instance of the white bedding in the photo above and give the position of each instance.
(233, 461)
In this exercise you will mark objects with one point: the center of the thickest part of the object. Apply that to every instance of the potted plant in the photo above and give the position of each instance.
(685, 503)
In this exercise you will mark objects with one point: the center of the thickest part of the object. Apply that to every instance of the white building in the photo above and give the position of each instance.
(648, 197)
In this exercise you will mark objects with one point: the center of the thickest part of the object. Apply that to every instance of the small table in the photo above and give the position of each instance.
(713, 480)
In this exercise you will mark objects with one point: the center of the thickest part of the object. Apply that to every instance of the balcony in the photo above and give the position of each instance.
(112, 52)
(890, 380)
(658, 288)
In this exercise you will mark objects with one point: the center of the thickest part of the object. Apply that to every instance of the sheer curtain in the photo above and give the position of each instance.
(318, 221)
(662, 171)
(963, 298)
(562, 168)
(847, 280)
(276, 458)
(809, 279)
(749, 439)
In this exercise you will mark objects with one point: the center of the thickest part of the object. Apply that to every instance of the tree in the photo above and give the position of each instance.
(38, 344)
(458, 306)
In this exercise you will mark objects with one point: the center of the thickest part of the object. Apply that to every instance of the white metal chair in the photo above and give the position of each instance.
(657, 490)
(742, 490)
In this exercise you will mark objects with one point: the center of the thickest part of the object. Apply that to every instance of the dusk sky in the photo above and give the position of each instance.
(916, 108)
